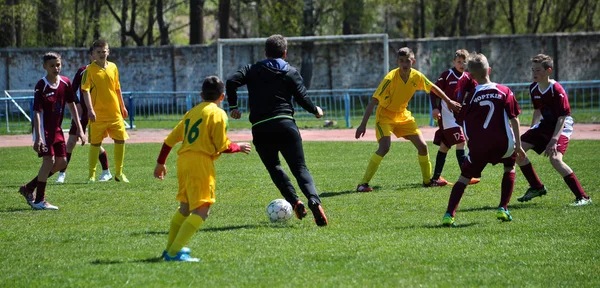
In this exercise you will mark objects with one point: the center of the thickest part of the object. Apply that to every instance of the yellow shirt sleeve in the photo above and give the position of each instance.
(383, 90)
(86, 82)
(176, 134)
(424, 83)
(220, 139)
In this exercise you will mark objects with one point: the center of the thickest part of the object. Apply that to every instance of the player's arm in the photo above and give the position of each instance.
(171, 140)
(537, 116)
(551, 148)
(124, 111)
(362, 128)
(453, 105)
(75, 113)
(38, 144)
(219, 136)
(234, 81)
(85, 94)
(434, 100)
(300, 94)
(515, 125)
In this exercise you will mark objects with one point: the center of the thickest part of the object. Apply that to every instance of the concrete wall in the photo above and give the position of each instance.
(337, 65)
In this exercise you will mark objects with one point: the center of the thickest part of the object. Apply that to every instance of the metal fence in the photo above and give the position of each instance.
(346, 106)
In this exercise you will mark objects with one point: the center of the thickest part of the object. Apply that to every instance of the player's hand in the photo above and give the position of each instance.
(235, 113)
(520, 153)
(245, 147)
(38, 146)
(92, 115)
(124, 113)
(81, 137)
(319, 112)
(551, 148)
(454, 106)
(435, 113)
(160, 171)
(360, 131)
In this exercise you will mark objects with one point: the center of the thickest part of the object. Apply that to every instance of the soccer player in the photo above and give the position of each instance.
(487, 116)
(449, 132)
(51, 94)
(551, 128)
(272, 83)
(203, 133)
(102, 95)
(392, 97)
(72, 141)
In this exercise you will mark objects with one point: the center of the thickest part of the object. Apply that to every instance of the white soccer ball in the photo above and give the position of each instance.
(279, 210)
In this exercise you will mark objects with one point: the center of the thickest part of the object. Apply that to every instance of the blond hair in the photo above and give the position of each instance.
(462, 53)
(478, 65)
(543, 59)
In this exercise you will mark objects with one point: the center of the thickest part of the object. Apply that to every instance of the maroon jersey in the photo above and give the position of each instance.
(78, 93)
(485, 117)
(447, 82)
(553, 102)
(50, 100)
(466, 85)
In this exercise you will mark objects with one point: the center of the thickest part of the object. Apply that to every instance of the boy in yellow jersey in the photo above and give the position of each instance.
(393, 95)
(102, 95)
(202, 132)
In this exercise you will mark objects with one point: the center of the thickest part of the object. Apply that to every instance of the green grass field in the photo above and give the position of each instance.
(112, 234)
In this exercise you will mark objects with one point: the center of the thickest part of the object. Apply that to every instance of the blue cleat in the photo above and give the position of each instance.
(503, 215)
(181, 257)
(184, 250)
(448, 220)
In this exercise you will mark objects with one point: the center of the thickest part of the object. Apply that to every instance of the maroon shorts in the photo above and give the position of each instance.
(473, 166)
(73, 129)
(449, 137)
(540, 136)
(58, 149)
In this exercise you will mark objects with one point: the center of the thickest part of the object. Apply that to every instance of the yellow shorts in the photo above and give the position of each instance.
(99, 130)
(400, 130)
(197, 179)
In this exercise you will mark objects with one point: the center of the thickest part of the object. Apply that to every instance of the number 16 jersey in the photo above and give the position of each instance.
(202, 129)
(485, 119)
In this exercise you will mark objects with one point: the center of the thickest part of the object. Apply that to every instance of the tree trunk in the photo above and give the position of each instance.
(96, 18)
(8, 27)
(196, 22)
(353, 14)
(163, 28)
(308, 29)
(462, 18)
(150, 25)
(422, 8)
(47, 23)
(124, 10)
(224, 7)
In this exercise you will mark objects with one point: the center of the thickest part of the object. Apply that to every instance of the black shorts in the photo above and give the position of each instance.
(73, 129)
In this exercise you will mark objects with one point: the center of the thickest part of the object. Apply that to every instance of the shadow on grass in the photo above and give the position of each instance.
(20, 209)
(212, 229)
(333, 194)
(440, 226)
(510, 207)
(111, 262)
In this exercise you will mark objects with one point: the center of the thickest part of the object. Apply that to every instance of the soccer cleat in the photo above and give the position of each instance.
(184, 250)
(581, 202)
(448, 220)
(91, 181)
(28, 194)
(318, 213)
(364, 188)
(532, 193)
(43, 206)
(503, 215)
(181, 257)
(440, 182)
(61, 177)
(105, 176)
(300, 210)
(474, 181)
(121, 178)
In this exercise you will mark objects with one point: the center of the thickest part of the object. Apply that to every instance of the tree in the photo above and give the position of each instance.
(47, 22)
(163, 27)
(352, 16)
(308, 29)
(196, 22)
(224, 7)
(10, 24)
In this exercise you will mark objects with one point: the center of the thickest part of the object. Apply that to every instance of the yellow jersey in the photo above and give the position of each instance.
(394, 94)
(203, 129)
(103, 83)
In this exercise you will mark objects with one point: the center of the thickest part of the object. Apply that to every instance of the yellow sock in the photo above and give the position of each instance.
(425, 168)
(371, 168)
(187, 230)
(176, 222)
(119, 155)
(93, 160)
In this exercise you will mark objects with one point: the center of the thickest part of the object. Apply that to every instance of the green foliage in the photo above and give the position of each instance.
(112, 234)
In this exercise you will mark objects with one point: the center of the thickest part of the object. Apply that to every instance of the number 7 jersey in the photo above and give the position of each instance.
(202, 129)
(485, 117)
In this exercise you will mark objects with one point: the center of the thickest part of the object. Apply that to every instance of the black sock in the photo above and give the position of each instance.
(440, 160)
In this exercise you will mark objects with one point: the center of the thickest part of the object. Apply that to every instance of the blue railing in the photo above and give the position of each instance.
(343, 105)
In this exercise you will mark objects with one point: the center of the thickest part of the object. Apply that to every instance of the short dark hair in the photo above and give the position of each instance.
(405, 51)
(50, 56)
(544, 59)
(212, 88)
(91, 50)
(99, 44)
(275, 46)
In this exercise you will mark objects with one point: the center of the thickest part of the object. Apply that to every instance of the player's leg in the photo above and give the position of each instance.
(118, 133)
(581, 198)
(455, 196)
(176, 250)
(53, 161)
(103, 158)
(536, 188)
(71, 143)
(96, 133)
(383, 133)
(507, 186)
(293, 153)
(419, 142)
(440, 161)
